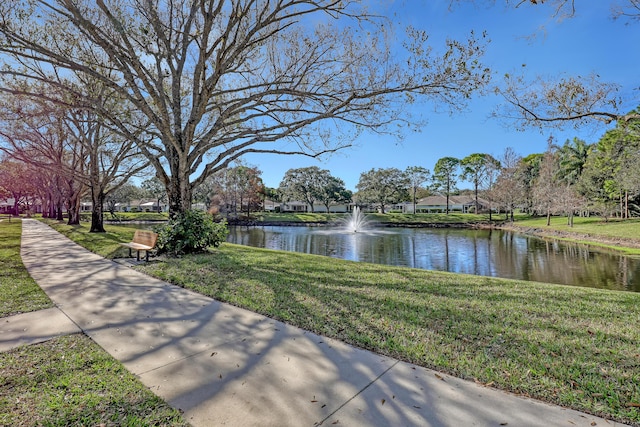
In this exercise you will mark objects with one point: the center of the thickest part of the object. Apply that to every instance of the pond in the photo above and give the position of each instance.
(480, 252)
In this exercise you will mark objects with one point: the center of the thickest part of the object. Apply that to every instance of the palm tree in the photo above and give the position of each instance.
(573, 155)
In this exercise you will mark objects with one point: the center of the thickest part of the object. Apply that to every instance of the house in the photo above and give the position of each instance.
(339, 208)
(271, 206)
(438, 204)
(141, 205)
(7, 206)
(298, 206)
(151, 206)
(294, 206)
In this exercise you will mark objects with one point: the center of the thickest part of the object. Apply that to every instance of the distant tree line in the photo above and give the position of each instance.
(575, 178)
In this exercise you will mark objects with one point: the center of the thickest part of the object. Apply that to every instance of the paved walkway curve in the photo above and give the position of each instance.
(223, 365)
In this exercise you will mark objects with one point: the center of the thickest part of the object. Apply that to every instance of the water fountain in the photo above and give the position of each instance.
(357, 221)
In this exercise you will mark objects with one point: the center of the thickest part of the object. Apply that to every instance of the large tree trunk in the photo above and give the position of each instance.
(74, 217)
(50, 210)
(73, 209)
(16, 204)
(310, 202)
(97, 220)
(179, 194)
(58, 213)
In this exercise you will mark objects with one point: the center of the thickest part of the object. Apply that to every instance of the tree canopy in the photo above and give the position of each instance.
(383, 187)
(205, 82)
(476, 168)
(313, 184)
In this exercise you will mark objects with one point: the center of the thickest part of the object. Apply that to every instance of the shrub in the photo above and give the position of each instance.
(190, 232)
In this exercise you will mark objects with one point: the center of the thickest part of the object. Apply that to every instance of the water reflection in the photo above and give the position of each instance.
(481, 252)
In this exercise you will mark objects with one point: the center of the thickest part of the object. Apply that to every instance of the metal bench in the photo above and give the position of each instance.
(143, 240)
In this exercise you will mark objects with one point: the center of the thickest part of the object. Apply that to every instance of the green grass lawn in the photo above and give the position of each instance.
(619, 235)
(419, 218)
(129, 216)
(572, 346)
(71, 381)
(19, 293)
(105, 244)
(375, 217)
(594, 226)
(296, 217)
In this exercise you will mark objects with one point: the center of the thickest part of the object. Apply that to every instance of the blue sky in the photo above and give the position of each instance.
(590, 42)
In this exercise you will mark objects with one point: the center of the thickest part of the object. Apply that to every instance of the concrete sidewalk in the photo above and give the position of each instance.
(34, 327)
(223, 365)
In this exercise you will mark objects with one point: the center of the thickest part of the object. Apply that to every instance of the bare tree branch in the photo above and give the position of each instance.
(213, 78)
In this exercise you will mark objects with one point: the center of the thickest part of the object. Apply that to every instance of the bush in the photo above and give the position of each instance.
(190, 232)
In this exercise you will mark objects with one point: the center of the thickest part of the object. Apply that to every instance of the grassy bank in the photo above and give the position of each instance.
(68, 381)
(392, 218)
(571, 346)
(593, 226)
(19, 293)
(619, 235)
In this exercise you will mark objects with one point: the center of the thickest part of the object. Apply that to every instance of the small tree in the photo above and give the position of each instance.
(231, 190)
(569, 201)
(493, 170)
(545, 190)
(156, 189)
(190, 232)
(445, 175)
(123, 194)
(526, 174)
(305, 184)
(332, 190)
(416, 176)
(273, 194)
(474, 169)
(629, 177)
(383, 187)
(249, 187)
(16, 179)
(506, 190)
